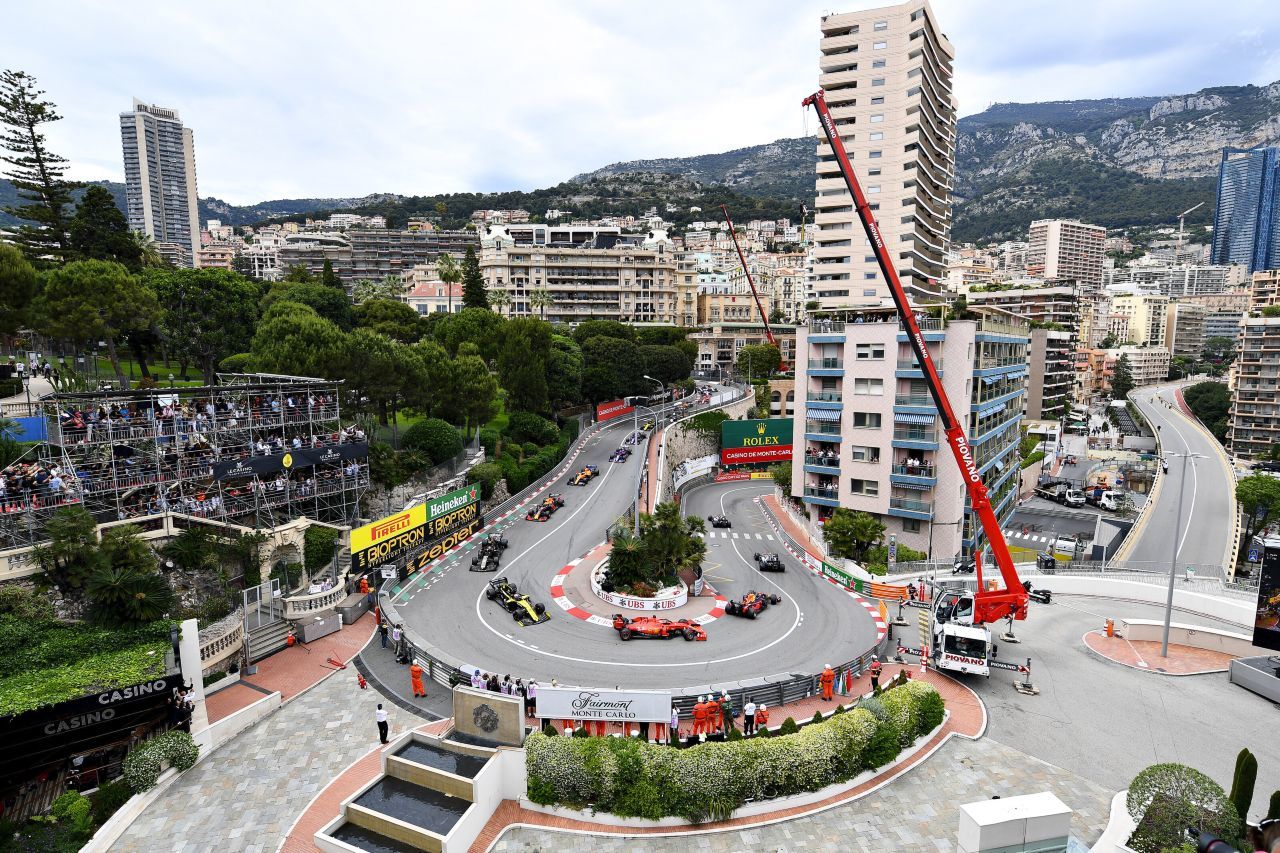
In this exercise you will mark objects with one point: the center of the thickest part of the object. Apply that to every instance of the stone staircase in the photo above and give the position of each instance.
(268, 639)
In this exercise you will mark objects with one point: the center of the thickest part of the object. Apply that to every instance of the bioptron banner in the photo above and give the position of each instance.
(743, 442)
(405, 533)
(613, 409)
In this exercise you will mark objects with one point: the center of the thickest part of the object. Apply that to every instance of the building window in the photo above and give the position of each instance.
(869, 292)
(869, 352)
(862, 453)
(873, 189)
(874, 154)
(866, 420)
(870, 488)
(880, 25)
(869, 276)
(877, 81)
(876, 119)
(880, 45)
(871, 387)
(878, 63)
(871, 173)
(875, 101)
(910, 525)
(877, 135)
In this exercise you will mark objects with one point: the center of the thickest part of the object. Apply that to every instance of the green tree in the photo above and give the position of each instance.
(1122, 379)
(1219, 350)
(667, 544)
(477, 391)
(1210, 402)
(98, 231)
(602, 328)
(541, 299)
(10, 447)
(758, 360)
(781, 475)
(1259, 499)
(450, 273)
(851, 534)
(389, 287)
(389, 317)
(328, 278)
(298, 274)
(612, 368)
(18, 284)
(96, 300)
(37, 174)
(71, 553)
(123, 598)
(1243, 781)
(437, 439)
(1109, 341)
(1166, 799)
(209, 314)
(474, 294)
(499, 299)
(470, 325)
(564, 371)
(522, 364)
(294, 339)
(377, 370)
(330, 303)
(666, 363)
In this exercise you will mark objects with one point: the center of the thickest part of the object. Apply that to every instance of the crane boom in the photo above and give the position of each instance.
(768, 332)
(989, 606)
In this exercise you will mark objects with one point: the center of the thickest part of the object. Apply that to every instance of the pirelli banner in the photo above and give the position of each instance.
(288, 461)
(405, 534)
(744, 442)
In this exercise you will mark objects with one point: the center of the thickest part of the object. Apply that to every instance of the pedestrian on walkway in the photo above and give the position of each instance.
(762, 717)
(875, 674)
(673, 729)
(415, 677)
(827, 680)
(384, 629)
(530, 697)
(749, 718)
(381, 716)
(477, 679)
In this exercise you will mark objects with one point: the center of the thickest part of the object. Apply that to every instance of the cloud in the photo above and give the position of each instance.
(327, 99)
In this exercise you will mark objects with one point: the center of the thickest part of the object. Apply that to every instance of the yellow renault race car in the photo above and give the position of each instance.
(521, 607)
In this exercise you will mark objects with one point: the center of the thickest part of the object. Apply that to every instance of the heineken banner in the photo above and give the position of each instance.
(452, 510)
(743, 442)
(289, 460)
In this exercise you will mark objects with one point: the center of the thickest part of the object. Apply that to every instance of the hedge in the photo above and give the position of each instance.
(143, 765)
(317, 547)
(631, 778)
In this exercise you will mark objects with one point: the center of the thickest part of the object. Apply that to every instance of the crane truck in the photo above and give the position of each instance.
(961, 638)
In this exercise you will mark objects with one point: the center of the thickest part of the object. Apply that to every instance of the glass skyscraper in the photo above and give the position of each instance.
(1246, 225)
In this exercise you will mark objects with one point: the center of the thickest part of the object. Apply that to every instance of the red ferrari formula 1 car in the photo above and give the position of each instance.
(653, 628)
(751, 605)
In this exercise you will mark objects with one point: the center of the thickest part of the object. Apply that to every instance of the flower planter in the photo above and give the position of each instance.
(668, 598)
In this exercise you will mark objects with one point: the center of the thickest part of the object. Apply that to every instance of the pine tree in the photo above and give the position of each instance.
(36, 173)
(327, 276)
(1121, 379)
(98, 231)
(474, 294)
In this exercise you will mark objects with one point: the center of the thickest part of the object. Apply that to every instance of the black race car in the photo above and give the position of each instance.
(488, 556)
(719, 521)
(751, 605)
(622, 454)
(769, 563)
(635, 438)
(521, 608)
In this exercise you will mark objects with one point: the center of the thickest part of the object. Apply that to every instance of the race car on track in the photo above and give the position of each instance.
(719, 521)
(751, 605)
(622, 454)
(489, 555)
(635, 438)
(584, 476)
(646, 426)
(521, 608)
(546, 509)
(654, 628)
(769, 563)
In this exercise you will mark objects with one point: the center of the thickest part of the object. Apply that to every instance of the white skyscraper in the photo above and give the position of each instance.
(160, 179)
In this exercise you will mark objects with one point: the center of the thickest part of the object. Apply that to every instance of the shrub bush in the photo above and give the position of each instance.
(142, 766)
(526, 427)
(489, 441)
(433, 437)
(487, 474)
(108, 800)
(709, 781)
(788, 727)
(904, 712)
(1165, 799)
(73, 809)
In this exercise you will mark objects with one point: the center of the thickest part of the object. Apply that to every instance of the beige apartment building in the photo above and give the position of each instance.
(887, 76)
(1184, 328)
(628, 283)
(1145, 315)
(1147, 364)
(1264, 290)
(1253, 423)
(1067, 249)
(1056, 304)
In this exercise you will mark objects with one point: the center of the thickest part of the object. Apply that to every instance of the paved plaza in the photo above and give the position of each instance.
(918, 811)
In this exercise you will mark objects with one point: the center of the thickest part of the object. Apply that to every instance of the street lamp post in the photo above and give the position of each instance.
(662, 396)
(635, 498)
(171, 381)
(1173, 562)
(26, 386)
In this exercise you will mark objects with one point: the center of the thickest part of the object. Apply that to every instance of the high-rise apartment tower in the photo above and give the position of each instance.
(160, 177)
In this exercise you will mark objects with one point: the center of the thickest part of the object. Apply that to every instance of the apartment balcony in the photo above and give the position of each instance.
(917, 400)
(915, 439)
(909, 368)
(822, 431)
(826, 367)
(826, 464)
(824, 397)
(822, 496)
(914, 475)
(909, 508)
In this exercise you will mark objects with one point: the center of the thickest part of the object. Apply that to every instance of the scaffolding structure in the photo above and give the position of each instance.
(255, 449)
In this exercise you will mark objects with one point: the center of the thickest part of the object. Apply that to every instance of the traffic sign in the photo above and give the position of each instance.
(1254, 556)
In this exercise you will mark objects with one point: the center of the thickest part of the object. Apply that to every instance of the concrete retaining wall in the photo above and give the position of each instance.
(1195, 636)
(1238, 612)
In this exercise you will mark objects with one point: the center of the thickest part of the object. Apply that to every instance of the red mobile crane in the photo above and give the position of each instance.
(768, 332)
(987, 606)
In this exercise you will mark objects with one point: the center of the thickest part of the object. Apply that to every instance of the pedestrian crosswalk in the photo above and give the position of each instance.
(1029, 536)
(712, 534)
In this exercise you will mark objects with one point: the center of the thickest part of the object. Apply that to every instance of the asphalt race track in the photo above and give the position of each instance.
(815, 624)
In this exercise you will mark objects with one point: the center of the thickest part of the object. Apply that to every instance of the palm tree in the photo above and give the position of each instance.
(450, 273)
(499, 299)
(541, 299)
(147, 252)
(10, 448)
(123, 597)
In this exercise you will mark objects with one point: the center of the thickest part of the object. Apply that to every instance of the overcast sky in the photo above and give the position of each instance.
(323, 99)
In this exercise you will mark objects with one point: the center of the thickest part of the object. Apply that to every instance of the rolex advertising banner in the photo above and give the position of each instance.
(743, 442)
(306, 457)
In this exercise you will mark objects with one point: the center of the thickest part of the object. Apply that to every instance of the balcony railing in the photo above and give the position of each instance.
(910, 505)
(1002, 361)
(915, 470)
(915, 435)
(913, 400)
(824, 397)
(912, 364)
(826, 364)
(820, 492)
(828, 460)
(822, 428)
